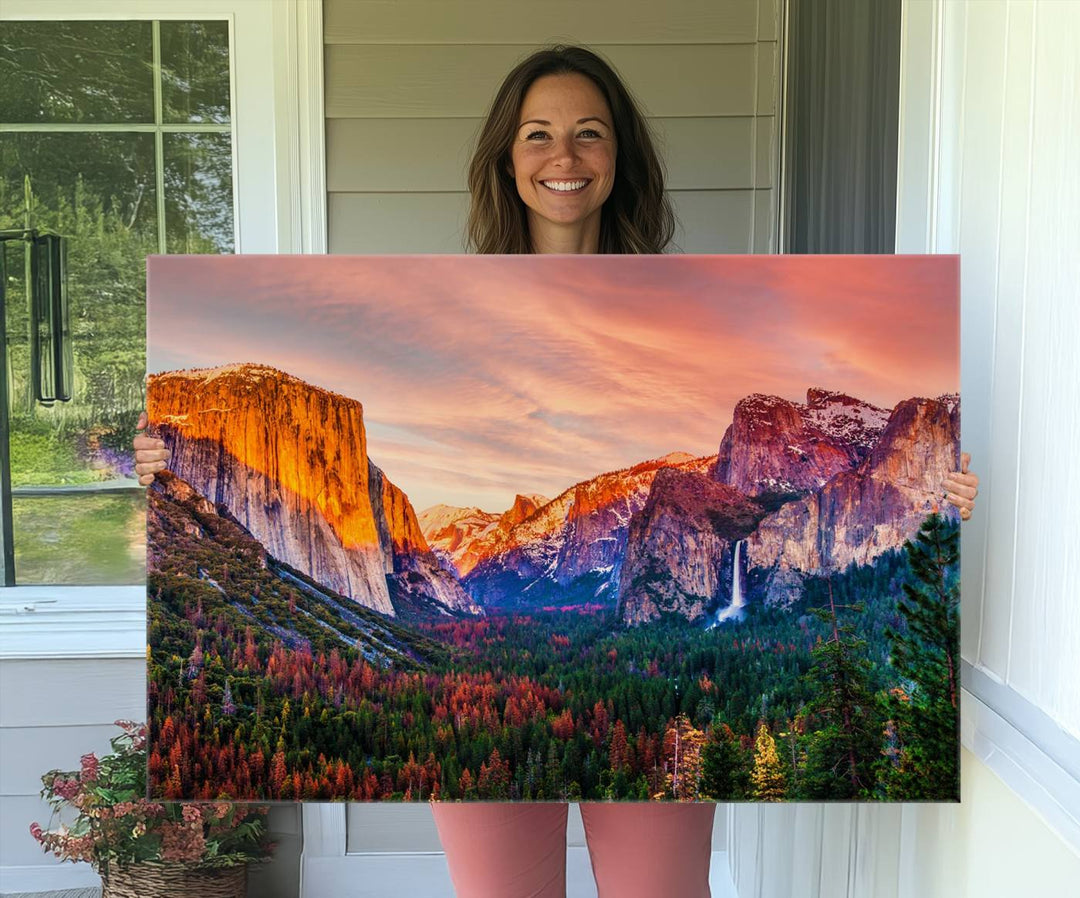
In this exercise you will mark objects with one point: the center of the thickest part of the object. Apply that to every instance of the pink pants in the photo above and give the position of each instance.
(638, 850)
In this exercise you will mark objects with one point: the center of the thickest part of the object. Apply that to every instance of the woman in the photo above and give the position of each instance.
(565, 164)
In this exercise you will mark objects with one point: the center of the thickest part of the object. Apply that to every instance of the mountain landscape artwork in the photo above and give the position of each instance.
(442, 528)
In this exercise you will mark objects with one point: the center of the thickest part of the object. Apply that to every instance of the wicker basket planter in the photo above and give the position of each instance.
(150, 880)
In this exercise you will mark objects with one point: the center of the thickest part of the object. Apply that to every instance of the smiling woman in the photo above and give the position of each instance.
(562, 117)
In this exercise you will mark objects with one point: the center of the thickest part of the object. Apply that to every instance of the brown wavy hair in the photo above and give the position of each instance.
(636, 218)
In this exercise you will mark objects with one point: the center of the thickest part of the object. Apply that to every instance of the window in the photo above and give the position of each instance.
(118, 136)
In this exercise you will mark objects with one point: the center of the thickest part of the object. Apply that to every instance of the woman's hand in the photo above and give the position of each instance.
(961, 487)
(150, 453)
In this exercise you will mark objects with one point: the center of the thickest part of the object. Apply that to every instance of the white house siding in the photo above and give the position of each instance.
(54, 711)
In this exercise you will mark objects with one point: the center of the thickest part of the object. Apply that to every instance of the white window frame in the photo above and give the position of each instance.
(279, 198)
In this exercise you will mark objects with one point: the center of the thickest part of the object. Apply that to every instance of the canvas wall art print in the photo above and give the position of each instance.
(554, 528)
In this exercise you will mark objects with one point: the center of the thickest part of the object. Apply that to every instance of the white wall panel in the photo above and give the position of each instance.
(1014, 188)
(769, 12)
(767, 88)
(1006, 190)
(27, 752)
(1046, 618)
(713, 221)
(979, 175)
(71, 693)
(385, 827)
(378, 222)
(766, 222)
(395, 154)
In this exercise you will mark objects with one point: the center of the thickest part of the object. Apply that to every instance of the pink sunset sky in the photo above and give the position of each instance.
(486, 376)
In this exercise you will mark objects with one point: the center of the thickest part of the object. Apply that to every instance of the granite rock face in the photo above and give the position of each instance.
(289, 462)
(679, 547)
(416, 577)
(570, 548)
(466, 536)
(841, 480)
(862, 512)
(778, 447)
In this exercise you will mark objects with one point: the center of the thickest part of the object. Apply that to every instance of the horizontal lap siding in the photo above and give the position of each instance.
(381, 155)
(55, 711)
(460, 80)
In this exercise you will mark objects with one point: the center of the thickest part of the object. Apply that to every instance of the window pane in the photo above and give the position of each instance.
(81, 540)
(76, 72)
(98, 191)
(198, 193)
(195, 71)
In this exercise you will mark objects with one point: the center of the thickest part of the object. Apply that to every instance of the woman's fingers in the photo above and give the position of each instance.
(961, 488)
(960, 502)
(146, 455)
(966, 485)
(151, 455)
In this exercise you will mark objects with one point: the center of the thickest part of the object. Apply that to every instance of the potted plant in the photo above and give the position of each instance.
(142, 847)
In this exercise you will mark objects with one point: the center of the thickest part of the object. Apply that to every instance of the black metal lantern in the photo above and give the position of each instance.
(51, 361)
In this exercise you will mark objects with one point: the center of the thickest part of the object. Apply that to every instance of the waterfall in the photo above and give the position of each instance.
(737, 600)
(736, 579)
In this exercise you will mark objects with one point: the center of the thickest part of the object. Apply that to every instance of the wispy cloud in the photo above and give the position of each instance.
(484, 376)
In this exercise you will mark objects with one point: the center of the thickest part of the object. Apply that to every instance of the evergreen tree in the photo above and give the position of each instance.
(840, 755)
(923, 760)
(725, 767)
(767, 777)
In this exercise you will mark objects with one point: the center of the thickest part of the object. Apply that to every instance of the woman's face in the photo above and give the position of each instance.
(563, 154)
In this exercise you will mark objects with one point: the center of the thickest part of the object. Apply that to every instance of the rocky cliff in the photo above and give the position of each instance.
(289, 462)
(416, 577)
(861, 513)
(679, 547)
(463, 537)
(189, 542)
(778, 447)
(571, 548)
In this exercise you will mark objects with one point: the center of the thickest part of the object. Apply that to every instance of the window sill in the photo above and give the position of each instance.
(38, 622)
(1030, 753)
